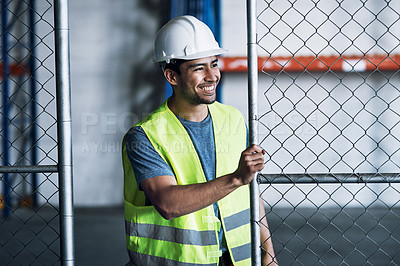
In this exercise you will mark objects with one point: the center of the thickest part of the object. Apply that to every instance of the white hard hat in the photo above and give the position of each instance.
(185, 38)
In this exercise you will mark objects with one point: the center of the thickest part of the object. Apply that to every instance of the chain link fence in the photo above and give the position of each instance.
(29, 193)
(329, 119)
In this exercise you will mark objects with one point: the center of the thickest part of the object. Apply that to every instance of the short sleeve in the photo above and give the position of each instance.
(145, 160)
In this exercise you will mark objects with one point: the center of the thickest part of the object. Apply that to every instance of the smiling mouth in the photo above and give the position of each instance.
(210, 88)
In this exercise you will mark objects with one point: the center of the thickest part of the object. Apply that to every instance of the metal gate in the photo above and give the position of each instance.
(36, 224)
(329, 118)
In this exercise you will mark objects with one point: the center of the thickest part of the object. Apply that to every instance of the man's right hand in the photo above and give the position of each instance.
(251, 161)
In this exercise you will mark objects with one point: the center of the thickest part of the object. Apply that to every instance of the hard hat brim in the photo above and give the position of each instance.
(207, 53)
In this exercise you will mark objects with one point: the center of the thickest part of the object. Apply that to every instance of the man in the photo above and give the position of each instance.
(186, 166)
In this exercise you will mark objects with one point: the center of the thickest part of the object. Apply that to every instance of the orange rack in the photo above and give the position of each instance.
(313, 63)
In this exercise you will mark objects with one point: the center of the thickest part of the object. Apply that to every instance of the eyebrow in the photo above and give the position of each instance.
(203, 64)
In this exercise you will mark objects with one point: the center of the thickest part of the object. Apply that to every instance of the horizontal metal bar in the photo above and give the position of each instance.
(29, 169)
(329, 178)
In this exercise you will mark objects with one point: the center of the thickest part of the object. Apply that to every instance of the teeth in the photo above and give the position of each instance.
(208, 88)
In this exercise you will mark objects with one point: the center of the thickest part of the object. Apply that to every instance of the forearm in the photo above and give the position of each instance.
(172, 200)
(268, 254)
(177, 200)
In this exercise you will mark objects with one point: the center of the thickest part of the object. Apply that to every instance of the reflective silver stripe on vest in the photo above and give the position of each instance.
(236, 220)
(172, 234)
(139, 259)
(241, 252)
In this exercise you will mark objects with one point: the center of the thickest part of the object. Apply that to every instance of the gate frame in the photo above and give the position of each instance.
(64, 134)
(253, 68)
(252, 75)
(64, 130)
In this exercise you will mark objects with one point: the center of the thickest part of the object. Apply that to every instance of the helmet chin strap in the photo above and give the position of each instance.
(163, 64)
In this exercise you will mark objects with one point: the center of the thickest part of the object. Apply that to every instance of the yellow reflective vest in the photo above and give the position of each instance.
(191, 239)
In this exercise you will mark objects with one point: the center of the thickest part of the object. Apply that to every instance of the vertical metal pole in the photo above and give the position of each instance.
(5, 112)
(218, 37)
(64, 131)
(32, 66)
(253, 126)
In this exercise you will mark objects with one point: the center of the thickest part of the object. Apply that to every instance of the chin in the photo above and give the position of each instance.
(209, 101)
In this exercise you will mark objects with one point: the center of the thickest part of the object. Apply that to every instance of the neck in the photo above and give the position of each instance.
(194, 113)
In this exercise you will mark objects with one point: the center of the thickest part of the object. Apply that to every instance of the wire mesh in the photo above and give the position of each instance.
(329, 121)
(29, 224)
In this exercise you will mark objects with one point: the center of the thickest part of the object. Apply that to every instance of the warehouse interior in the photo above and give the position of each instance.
(315, 58)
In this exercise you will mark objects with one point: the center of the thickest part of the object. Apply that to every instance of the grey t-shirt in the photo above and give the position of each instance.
(147, 163)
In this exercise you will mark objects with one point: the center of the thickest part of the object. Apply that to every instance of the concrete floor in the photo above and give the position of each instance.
(301, 237)
(100, 236)
(32, 238)
(336, 236)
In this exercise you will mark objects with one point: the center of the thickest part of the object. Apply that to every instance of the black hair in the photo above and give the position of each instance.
(174, 65)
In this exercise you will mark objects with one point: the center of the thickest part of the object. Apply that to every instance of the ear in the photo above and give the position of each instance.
(171, 76)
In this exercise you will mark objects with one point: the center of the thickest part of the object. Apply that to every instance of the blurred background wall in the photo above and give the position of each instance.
(114, 84)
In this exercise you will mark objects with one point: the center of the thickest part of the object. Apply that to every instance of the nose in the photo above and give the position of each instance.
(212, 74)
